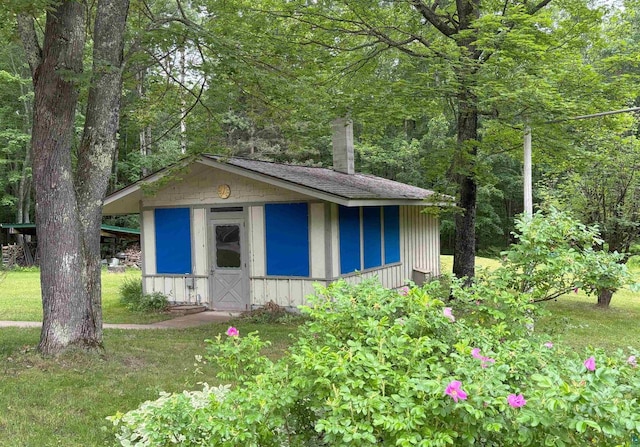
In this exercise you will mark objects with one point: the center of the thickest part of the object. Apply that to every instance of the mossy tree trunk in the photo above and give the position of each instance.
(69, 195)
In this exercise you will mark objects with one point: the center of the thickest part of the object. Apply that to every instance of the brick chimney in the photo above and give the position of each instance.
(343, 145)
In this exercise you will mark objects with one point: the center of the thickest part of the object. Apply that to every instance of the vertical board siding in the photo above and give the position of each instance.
(418, 248)
(285, 292)
(335, 241)
(390, 277)
(149, 242)
(256, 241)
(201, 292)
(317, 243)
(200, 255)
(420, 241)
(176, 290)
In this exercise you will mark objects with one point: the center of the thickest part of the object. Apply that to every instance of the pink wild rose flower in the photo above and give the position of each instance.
(233, 332)
(484, 361)
(632, 361)
(455, 391)
(404, 291)
(548, 345)
(447, 313)
(590, 363)
(516, 401)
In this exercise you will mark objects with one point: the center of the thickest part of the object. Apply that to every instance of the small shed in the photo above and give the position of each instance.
(234, 234)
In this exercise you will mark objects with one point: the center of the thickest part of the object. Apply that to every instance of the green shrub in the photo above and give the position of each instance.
(153, 302)
(184, 418)
(132, 297)
(376, 367)
(556, 254)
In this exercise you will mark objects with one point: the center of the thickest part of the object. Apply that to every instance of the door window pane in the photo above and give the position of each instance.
(228, 246)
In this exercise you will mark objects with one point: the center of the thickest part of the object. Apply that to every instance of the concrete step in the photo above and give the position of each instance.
(186, 309)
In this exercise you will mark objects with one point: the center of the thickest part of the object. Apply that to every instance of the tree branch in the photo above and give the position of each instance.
(430, 15)
(539, 6)
(198, 99)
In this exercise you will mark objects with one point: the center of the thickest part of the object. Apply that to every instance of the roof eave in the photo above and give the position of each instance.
(136, 188)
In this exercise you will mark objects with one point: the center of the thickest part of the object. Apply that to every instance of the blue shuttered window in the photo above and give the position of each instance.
(349, 221)
(287, 239)
(372, 232)
(379, 231)
(391, 234)
(173, 240)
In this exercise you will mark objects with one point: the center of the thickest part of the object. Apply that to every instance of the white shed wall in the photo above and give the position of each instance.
(419, 241)
(199, 186)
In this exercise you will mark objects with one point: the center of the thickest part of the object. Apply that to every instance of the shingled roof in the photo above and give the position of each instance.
(350, 186)
(320, 183)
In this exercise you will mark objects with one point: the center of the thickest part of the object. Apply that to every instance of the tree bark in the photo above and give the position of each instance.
(465, 222)
(68, 203)
(467, 140)
(604, 297)
(66, 321)
(99, 141)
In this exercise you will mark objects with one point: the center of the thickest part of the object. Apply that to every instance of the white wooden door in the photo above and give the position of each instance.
(228, 266)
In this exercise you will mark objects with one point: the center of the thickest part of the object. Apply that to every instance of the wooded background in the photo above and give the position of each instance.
(265, 78)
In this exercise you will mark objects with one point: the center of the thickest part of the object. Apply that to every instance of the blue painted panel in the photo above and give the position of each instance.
(391, 234)
(349, 221)
(173, 240)
(372, 231)
(287, 239)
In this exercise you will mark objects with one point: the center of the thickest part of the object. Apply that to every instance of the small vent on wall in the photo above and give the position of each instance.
(227, 209)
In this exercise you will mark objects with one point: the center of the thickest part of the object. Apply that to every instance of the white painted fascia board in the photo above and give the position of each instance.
(390, 202)
(121, 193)
(137, 186)
(134, 187)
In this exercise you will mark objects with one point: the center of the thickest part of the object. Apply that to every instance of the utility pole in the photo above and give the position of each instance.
(528, 187)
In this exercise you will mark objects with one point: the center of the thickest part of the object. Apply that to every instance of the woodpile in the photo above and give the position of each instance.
(14, 255)
(133, 257)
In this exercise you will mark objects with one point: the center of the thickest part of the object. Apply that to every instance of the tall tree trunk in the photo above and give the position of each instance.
(66, 314)
(99, 141)
(68, 206)
(467, 141)
(465, 222)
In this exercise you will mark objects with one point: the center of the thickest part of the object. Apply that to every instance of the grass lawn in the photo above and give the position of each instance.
(575, 320)
(64, 401)
(20, 298)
